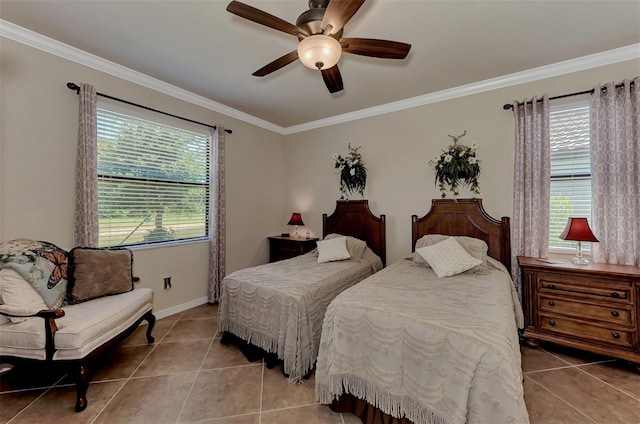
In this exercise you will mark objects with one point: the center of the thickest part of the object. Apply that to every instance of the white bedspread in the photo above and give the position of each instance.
(280, 306)
(434, 350)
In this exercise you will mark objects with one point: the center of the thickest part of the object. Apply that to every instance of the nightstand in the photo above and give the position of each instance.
(287, 247)
(592, 307)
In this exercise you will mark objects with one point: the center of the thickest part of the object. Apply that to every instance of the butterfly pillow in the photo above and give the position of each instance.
(41, 264)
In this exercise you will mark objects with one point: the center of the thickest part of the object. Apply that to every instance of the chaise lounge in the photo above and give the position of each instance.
(102, 308)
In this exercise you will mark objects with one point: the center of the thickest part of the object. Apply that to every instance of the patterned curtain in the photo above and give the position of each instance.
(531, 183)
(615, 172)
(86, 211)
(217, 233)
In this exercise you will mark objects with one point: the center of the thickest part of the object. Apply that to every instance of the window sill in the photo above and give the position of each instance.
(167, 244)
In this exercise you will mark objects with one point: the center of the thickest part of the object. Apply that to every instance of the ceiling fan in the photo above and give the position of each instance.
(319, 31)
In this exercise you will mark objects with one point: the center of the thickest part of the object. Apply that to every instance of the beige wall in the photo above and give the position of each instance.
(268, 175)
(397, 147)
(38, 135)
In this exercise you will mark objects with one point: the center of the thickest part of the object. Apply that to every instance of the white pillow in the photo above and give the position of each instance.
(334, 249)
(355, 246)
(448, 258)
(475, 247)
(18, 296)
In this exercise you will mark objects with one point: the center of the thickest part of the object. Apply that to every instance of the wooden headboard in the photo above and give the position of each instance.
(467, 217)
(353, 218)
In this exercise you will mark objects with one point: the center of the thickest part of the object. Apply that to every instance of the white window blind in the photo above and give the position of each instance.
(153, 181)
(570, 169)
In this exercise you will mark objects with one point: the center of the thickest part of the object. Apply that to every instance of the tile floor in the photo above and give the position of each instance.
(187, 376)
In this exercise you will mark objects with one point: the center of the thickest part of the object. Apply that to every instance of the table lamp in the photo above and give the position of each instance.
(296, 219)
(578, 230)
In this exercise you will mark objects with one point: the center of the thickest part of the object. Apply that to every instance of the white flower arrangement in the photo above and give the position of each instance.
(457, 166)
(353, 173)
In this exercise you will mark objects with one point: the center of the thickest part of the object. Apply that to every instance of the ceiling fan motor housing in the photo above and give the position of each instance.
(311, 20)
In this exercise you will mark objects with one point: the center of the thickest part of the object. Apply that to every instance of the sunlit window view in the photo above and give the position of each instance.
(153, 181)
(570, 170)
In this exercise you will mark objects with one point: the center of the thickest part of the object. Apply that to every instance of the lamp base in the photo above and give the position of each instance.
(580, 260)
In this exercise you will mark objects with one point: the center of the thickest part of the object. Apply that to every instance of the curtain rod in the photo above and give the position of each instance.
(76, 88)
(510, 106)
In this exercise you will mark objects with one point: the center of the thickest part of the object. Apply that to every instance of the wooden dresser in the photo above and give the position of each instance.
(593, 307)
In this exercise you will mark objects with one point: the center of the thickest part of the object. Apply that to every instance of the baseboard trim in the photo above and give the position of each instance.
(181, 307)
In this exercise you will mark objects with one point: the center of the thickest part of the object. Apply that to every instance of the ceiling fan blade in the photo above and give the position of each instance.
(375, 48)
(332, 79)
(263, 18)
(277, 64)
(338, 13)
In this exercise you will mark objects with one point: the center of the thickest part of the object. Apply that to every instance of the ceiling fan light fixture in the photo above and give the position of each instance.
(319, 51)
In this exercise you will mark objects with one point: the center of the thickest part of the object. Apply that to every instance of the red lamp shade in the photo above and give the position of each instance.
(296, 219)
(577, 229)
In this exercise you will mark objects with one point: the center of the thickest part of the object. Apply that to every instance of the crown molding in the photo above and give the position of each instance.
(561, 68)
(49, 45)
(65, 51)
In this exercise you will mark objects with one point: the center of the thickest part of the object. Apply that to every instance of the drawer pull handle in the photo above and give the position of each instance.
(615, 294)
(552, 323)
(615, 313)
(552, 286)
(615, 335)
(552, 303)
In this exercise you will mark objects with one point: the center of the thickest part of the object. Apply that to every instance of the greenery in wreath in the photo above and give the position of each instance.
(353, 173)
(457, 167)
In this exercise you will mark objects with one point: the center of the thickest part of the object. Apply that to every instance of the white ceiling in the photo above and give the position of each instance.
(199, 47)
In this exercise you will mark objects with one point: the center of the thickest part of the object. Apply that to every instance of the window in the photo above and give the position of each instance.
(153, 180)
(570, 169)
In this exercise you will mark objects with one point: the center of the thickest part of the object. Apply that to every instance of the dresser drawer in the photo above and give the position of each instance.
(284, 252)
(582, 330)
(285, 247)
(587, 287)
(616, 314)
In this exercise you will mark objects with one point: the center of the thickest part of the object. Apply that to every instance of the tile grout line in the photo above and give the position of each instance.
(584, 363)
(579, 367)
(562, 400)
(155, 345)
(46, 390)
(296, 407)
(608, 384)
(184, 403)
(261, 390)
(568, 366)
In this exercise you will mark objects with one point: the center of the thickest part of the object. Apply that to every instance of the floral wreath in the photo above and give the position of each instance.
(353, 173)
(457, 166)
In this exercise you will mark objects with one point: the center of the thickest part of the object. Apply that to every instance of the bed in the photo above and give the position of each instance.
(405, 346)
(277, 308)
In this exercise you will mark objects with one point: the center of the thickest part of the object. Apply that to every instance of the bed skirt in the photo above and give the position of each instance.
(367, 413)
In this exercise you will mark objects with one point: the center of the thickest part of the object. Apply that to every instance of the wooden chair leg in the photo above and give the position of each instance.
(82, 384)
(151, 319)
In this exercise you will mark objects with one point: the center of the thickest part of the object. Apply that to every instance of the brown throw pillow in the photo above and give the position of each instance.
(97, 272)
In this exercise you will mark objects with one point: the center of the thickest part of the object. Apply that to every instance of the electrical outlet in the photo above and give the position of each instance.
(167, 283)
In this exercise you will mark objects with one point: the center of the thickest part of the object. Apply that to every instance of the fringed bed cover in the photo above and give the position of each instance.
(433, 350)
(280, 306)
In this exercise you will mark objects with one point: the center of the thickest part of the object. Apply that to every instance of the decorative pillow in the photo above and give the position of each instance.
(448, 258)
(43, 265)
(18, 297)
(355, 246)
(475, 247)
(99, 272)
(334, 249)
